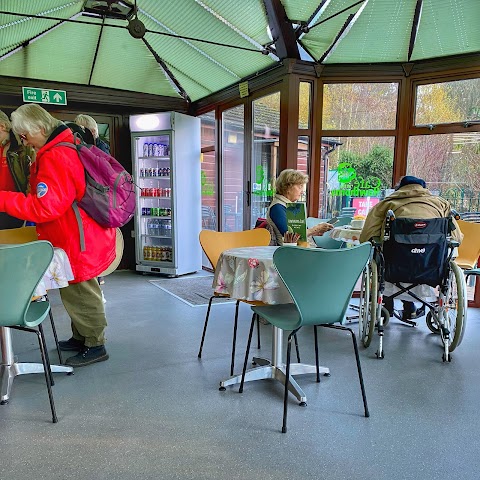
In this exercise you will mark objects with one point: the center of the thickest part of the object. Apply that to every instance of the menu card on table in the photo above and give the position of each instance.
(297, 219)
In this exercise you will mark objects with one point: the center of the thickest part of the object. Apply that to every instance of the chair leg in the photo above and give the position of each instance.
(40, 328)
(359, 367)
(247, 352)
(258, 331)
(234, 341)
(296, 348)
(205, 326)
(317, 363)
(360, 375)
(287, 382)
(48, 373)
(54, 330)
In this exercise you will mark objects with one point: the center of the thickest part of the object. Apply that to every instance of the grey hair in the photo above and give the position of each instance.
(288, 178)
(88, 122)
(5, 121)
(32, 118)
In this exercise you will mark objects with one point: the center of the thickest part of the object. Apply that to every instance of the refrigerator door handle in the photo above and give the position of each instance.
(248, 193)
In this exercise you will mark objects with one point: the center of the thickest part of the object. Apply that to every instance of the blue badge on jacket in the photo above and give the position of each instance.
(42, 189)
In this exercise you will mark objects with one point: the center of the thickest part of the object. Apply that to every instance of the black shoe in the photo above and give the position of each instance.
(71, 345)
(408, 311)
(87, 356)
(420, 312)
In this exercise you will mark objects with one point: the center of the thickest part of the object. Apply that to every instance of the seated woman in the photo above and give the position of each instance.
(289, 187)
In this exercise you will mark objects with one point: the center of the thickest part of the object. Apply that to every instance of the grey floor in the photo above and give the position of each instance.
(154, 411)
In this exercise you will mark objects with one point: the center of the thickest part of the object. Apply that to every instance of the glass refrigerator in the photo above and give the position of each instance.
(166, 168)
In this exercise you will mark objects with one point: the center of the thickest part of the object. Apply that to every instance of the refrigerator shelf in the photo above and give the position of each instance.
(151, 196)
(156, 261)
(154, 236)
(166, 217)
(154, 158)
(156, 177)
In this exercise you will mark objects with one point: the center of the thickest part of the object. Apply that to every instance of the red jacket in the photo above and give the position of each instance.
(57, 178)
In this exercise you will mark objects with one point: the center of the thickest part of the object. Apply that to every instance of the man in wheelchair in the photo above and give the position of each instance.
(412, 200)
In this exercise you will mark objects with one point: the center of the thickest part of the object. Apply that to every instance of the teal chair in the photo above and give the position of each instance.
(321, 292)
(326, 241)
(312, 221)
(21, 269)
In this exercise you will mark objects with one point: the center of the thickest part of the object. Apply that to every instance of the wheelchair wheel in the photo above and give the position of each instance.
(454, 311)
(368, 310)
(432, 323)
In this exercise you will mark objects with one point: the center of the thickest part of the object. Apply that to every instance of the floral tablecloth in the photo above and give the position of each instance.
(58, 274)
(248, 274)
(350, 236)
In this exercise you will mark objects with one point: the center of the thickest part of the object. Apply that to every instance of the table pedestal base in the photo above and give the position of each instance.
(277, 372)
(9, 372)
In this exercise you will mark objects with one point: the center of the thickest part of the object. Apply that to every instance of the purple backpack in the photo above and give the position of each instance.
(110, 192)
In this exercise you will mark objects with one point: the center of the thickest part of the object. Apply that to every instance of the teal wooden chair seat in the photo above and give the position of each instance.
(21, 269)
(321, 292)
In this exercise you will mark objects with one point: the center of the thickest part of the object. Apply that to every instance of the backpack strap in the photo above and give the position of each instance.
(80, 226)
(76, 210)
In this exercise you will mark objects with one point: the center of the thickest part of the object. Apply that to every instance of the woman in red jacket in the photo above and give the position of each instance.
(57, 179)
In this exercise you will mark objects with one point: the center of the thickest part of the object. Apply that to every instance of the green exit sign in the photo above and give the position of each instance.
(40, 95)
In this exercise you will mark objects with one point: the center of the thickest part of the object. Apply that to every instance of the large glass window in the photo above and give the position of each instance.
(304, 104)
(360, 106)
(233, 168)
(450, 164)
(208, 172)
(358, 172)
(448, 102)
(266, 130)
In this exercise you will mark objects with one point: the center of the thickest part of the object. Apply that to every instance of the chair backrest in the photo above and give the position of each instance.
(347, 212)
(21, 269)
(312, 221)
(321, 282)
(325, 240)
(209, 219)
(416, 251)
(469, 249)
(18, 235)
(214, 243)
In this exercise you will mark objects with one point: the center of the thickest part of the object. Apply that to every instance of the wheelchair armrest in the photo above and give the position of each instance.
(453, 243)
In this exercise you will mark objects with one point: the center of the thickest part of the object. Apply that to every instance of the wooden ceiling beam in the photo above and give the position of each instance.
(282, 30)
(415, 24)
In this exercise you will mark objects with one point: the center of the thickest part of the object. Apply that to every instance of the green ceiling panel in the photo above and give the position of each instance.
(380, 34)
(213, 67)
(246, 15)
(52, 57)
(301, 9)
(14, 30)
(124, 62)
(440, 34)
(194, 89)
(320, 38)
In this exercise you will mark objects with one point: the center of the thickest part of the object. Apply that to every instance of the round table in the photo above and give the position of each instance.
(351, 236)
(249, 274)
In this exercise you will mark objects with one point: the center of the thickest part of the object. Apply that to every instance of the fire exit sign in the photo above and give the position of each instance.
(41, 95)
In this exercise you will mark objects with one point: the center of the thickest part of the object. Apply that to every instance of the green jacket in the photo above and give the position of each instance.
(409, 201)
(19, 159)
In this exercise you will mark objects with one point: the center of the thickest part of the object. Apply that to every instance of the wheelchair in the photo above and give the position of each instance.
(415, 252)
